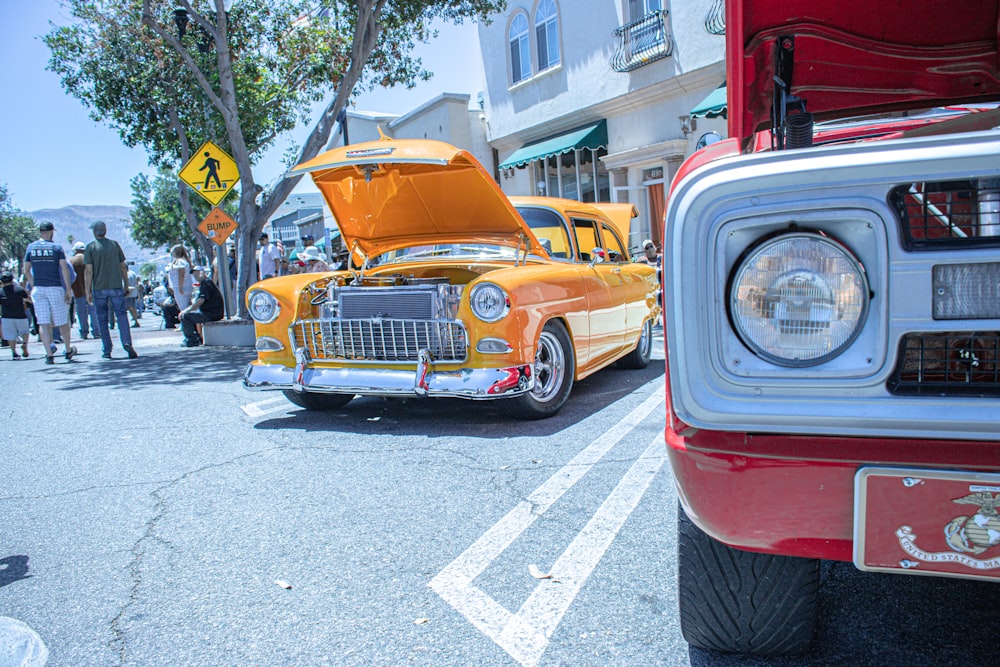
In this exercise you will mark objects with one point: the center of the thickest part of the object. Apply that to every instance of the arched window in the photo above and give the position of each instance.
(547, 34)
(520, 53)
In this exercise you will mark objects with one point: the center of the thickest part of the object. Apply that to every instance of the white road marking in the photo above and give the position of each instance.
(525, 634)
(261, 408)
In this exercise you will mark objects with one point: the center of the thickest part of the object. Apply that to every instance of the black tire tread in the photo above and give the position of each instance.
(736, 601)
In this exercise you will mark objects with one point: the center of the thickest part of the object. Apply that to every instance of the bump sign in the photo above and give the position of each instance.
(217, 226)
(211, 172)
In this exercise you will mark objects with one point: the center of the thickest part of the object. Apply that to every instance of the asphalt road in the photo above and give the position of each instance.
(153, 512)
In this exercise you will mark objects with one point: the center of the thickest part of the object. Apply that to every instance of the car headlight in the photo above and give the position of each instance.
(799, 299)
(263, 306)
(489, 302)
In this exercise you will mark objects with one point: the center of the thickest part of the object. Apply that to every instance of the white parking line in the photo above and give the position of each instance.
(259, 409)
(525, 634)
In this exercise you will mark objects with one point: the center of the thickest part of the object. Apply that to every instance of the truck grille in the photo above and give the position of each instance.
(948, 214)
(948, 364)
(387, 340)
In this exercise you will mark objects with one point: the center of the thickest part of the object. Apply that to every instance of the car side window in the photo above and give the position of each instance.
(587, 237)
(613, 244)
(550, 229)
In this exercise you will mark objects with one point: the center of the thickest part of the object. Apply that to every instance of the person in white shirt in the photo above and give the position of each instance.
(179, 276)
(269, 258)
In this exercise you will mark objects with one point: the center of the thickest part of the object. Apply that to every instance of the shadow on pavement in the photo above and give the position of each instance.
(160, 366)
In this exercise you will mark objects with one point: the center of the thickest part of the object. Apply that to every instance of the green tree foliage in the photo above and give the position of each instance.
(148, 271)
(157, 216)
(17, 230)
(169, 74)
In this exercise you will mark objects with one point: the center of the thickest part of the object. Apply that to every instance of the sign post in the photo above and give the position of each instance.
(217, 226)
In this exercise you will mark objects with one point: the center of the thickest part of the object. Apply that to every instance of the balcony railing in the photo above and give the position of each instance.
(642, 42)
(715, 20)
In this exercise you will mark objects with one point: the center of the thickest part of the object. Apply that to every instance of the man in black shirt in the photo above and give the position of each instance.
(207, 306)
(13, 316)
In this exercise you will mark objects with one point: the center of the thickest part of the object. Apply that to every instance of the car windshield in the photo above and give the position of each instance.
(550, 229)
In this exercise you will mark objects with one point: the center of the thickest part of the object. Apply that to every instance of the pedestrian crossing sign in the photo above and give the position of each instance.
(211, 172)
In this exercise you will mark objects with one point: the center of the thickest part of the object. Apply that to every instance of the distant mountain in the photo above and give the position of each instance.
(72, 224)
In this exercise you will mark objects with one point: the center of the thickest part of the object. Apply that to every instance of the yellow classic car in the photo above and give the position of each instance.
(453, 289)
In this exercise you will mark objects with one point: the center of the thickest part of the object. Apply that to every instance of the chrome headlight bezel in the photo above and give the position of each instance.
(489, 302)
(816, 282)
(263, 306)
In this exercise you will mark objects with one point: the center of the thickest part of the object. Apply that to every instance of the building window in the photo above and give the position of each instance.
(520, 54)
(645, 39)
(639, 8)
(577, 174)
(547, 34)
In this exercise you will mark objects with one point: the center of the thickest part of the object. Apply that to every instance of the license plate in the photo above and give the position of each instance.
(936, 522)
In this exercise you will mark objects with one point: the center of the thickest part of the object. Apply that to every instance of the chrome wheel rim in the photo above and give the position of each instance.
(550, 367)
(646, 339)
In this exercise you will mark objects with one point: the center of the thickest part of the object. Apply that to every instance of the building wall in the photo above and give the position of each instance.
(642, 107)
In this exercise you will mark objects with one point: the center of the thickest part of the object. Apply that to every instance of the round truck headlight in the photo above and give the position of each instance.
(489, 302)
(799, 299)
(263, 306)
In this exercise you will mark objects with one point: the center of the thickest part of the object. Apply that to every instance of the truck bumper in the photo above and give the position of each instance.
(794, 495)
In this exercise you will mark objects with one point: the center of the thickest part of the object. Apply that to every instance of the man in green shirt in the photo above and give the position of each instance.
(106, 280)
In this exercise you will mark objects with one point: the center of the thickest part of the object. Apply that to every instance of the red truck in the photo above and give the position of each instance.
(832, 301)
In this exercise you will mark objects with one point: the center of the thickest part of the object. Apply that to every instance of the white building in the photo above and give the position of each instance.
(585, 99)
(568, 81)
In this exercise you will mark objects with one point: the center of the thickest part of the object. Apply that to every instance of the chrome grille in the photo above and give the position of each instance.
(386, 340)
(947, 364)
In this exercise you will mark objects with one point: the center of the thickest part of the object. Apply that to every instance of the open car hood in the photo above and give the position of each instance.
(854, 57)
(391, 193)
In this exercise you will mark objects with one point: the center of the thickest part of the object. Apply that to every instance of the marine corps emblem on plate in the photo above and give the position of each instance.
(977, 533)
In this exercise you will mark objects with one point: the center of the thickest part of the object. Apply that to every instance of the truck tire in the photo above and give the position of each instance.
(736, 601)
(313, 401)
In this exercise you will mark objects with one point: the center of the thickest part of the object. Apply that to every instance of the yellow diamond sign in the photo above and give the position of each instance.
(211, 172)
(217, 226)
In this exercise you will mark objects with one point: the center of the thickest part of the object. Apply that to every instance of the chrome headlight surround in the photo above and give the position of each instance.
(263, 306)
(489, 302)
(798, 299)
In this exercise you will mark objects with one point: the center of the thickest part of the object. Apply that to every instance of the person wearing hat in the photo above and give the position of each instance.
(47, 273)
(106, 280)
(86, 315)
(207, 306)
(653, 258)
(313, 259)
(13, 314)
(308, 240)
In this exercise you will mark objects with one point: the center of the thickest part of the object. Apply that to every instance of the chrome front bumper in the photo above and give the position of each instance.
(422, 380)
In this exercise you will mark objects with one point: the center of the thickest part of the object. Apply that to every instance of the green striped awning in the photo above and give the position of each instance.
(592, 136)
(712, 106)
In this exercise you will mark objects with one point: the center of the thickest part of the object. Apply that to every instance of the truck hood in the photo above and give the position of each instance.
(391, 193)
(854, 57)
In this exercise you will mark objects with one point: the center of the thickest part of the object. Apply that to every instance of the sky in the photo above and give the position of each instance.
(53, 155)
